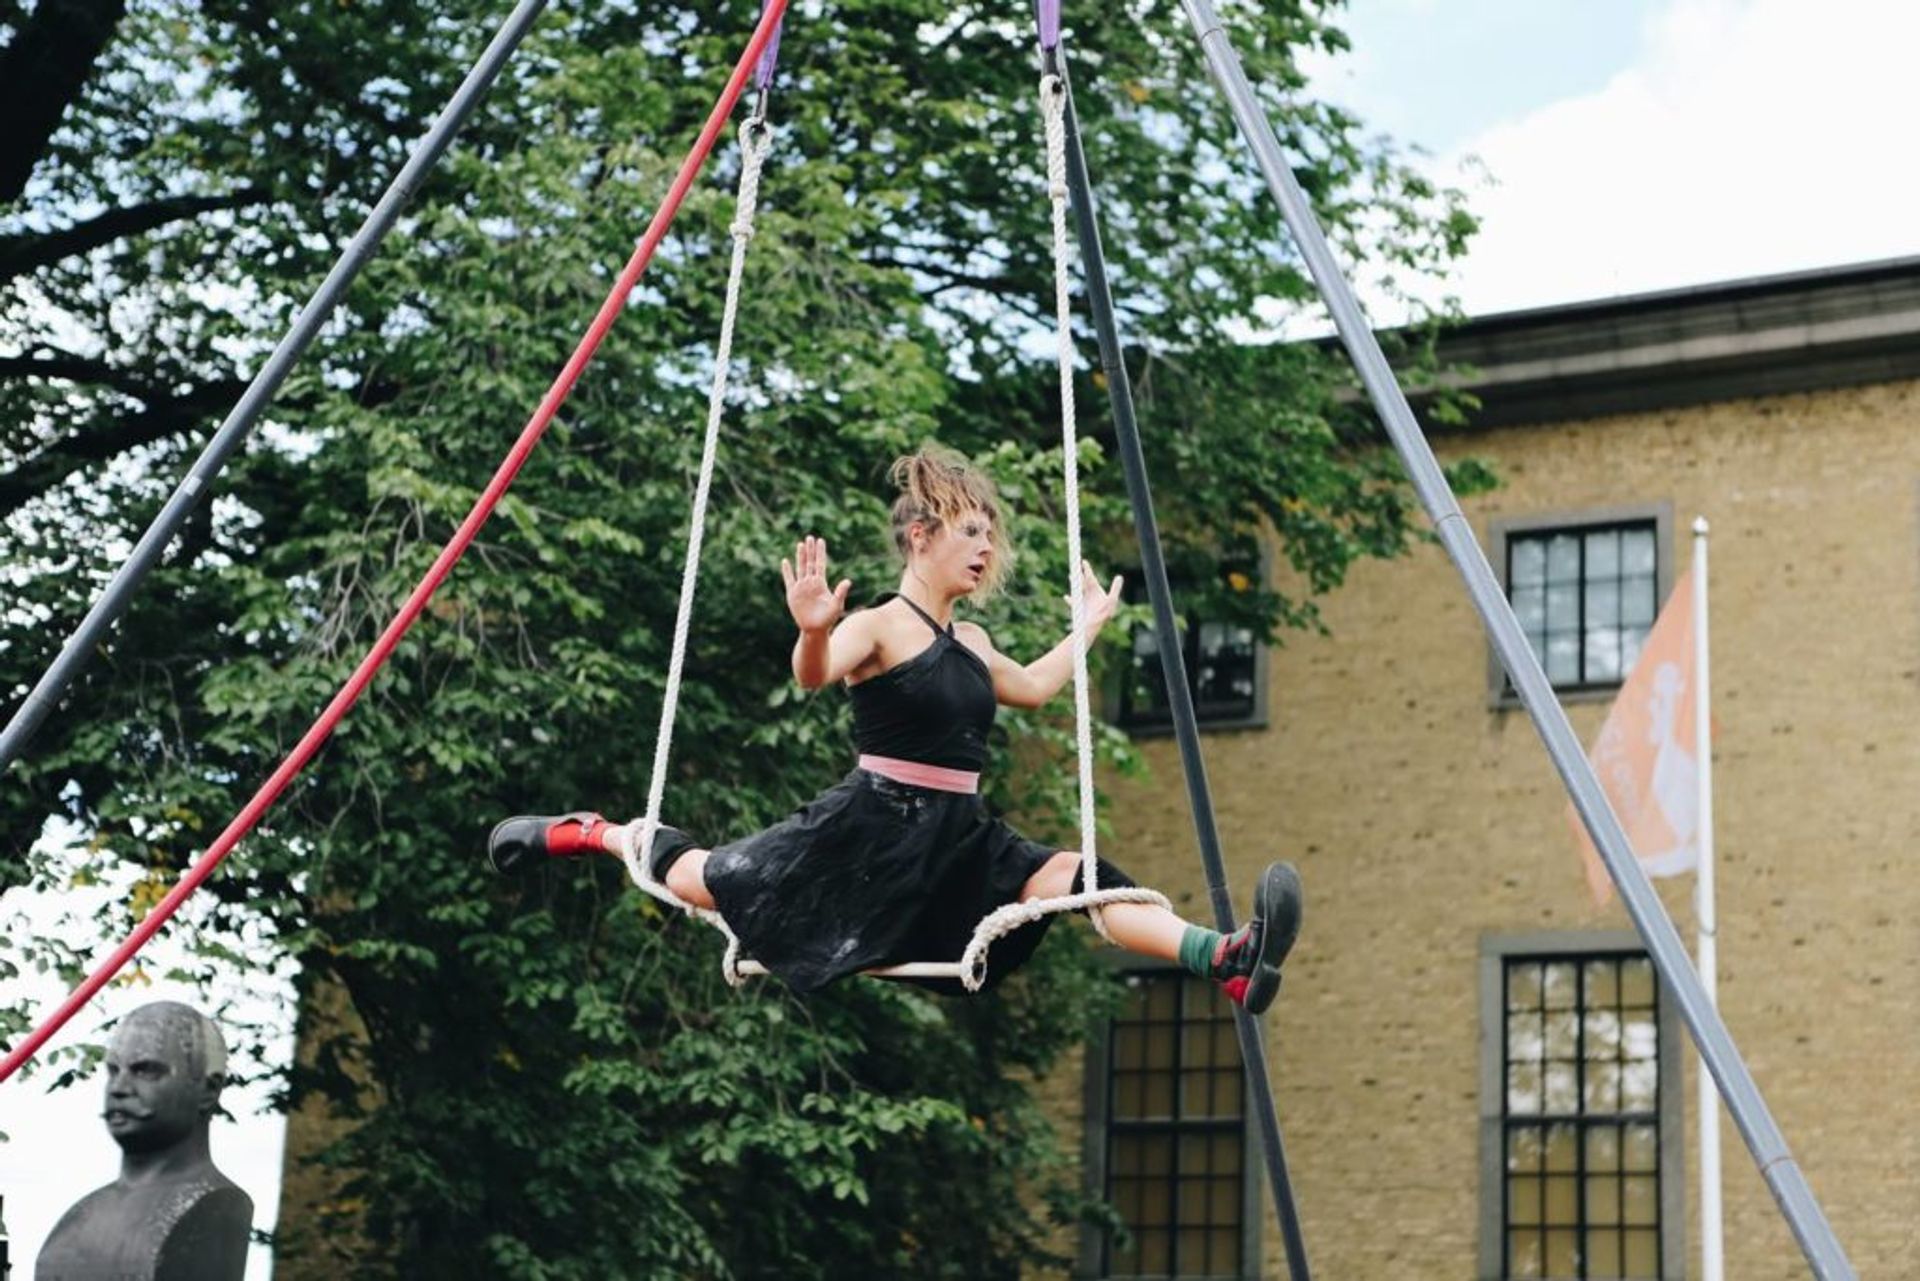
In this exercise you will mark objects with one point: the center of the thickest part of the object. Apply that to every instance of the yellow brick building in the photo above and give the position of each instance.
(1452, 955)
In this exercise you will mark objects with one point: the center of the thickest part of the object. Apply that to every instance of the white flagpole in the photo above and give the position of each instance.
(1710, 1232)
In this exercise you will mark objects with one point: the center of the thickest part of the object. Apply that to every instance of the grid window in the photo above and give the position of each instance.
(1222, 662)
(1175, 1140)
(1585, 597)
(1581, 1118)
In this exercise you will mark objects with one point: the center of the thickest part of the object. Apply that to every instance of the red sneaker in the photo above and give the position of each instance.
(520, 842)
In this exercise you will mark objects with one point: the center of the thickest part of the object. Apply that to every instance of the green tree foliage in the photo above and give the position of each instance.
(548, 1078)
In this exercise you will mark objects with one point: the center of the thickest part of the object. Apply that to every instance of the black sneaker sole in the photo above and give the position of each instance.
(516, 844)
(1277, 902)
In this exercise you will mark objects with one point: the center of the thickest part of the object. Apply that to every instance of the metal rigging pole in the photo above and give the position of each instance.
(1768, 1146)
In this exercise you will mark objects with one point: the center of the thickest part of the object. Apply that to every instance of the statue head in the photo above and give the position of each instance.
(165, 1065)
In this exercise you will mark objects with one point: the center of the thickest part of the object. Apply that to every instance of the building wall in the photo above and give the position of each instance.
(1423, 819)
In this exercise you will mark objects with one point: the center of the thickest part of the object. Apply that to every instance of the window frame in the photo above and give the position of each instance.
(1495, 951)
(1097, 1081)
(1501, 531)
(1116, 697)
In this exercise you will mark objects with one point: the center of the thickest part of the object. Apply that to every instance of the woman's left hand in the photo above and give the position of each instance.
(1098, 605)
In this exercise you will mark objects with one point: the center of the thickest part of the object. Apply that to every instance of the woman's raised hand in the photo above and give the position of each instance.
(1097, 604)
(813, 606)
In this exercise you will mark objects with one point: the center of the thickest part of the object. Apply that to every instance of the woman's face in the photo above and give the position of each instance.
(955, 557)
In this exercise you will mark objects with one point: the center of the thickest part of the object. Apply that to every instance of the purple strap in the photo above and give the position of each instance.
(1047, 15)
(769, 56)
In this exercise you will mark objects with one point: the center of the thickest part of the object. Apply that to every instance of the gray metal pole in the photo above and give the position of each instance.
(1763, 1137)
(119, 592)
(1153, 567)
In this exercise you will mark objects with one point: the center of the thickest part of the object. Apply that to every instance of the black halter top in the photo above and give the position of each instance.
(935, 708)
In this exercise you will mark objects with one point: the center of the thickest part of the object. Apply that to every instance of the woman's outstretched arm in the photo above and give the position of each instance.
(1032, 684)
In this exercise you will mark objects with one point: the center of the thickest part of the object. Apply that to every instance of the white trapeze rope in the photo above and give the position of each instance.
(1053, 110)
(755, 140)
(1052, 100)
(971, 969)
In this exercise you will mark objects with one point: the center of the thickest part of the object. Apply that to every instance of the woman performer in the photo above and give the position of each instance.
(901, 860)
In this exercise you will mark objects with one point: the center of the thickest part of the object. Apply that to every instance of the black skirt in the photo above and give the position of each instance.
(874, 873)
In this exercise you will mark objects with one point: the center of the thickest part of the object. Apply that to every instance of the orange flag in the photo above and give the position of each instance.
(1645, 753)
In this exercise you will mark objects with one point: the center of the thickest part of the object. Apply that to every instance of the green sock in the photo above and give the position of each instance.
(1196, 950)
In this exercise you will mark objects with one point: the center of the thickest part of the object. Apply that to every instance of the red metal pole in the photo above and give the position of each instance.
(443, 564)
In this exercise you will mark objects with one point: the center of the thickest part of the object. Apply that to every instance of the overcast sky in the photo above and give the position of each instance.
(1636, 145)
(1632, 145)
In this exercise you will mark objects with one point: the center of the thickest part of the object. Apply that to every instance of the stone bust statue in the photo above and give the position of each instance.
(170, 1216)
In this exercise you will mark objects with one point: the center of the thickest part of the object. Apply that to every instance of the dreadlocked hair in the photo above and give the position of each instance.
(938, 485)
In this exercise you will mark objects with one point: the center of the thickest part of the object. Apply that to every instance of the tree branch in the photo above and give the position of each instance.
(20, 254)
(41, 73)
(64, 366)
(950, 277)
(36, 475)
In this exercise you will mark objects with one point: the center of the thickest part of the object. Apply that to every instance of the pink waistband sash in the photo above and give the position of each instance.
(917, 774)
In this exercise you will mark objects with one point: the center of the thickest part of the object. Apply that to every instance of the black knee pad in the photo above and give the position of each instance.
(669, 843)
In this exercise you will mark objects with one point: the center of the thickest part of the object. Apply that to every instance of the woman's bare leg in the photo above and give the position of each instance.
(687, 877)
(1145, 928)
